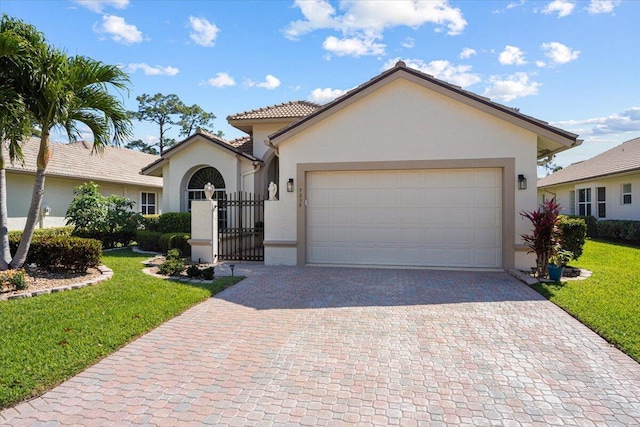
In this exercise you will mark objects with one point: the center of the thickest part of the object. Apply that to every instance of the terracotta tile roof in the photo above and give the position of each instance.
(244, 144)
(287, 110)
(621, 159)
(76, 160)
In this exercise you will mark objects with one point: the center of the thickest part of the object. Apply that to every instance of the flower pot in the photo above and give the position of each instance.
(555, 272)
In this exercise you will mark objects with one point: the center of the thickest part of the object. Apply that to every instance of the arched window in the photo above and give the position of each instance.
(195, 188)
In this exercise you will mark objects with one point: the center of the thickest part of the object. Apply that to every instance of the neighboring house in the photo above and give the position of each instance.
(606, 186)
(404, 170)
(117, 171)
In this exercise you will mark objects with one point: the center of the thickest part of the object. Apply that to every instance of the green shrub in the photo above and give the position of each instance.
(592, 224)
(53, 231)
(179, 241)
(194, 271)
(173, 264)
(149, 240)
(110, 219)
(150, 222)
(14, 279)
(175, 222)
(207, 273)
(619, 230)
(573, 233)
(61, 252)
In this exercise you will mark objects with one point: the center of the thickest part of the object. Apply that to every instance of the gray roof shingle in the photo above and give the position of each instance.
(620, 159)
(76, 160)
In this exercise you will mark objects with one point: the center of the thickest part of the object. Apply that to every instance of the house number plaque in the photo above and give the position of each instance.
(299, 197)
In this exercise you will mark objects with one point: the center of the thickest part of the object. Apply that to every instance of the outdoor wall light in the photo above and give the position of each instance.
(290, 185)
(522, 182)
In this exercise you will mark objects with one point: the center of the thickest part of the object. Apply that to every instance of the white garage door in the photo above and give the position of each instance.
(436, 218)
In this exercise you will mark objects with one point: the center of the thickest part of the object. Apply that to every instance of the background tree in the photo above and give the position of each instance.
(169, 110)
(142, 146)
(64, 92)
(194, 117)
(160, 109)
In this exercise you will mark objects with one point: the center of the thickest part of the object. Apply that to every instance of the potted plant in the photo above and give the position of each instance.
(557, 263)
(545, 236)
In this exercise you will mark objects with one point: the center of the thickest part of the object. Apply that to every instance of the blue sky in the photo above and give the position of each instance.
(572, 63)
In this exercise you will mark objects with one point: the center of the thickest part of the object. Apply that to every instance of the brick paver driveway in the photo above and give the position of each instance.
(334, 346)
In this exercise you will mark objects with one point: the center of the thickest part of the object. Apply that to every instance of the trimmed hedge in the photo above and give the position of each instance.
(61, 252)
(53, 231)
(591, 221)
(573, 233)
(619, 230)
(163, 242)
(174, 222)
(150, 222)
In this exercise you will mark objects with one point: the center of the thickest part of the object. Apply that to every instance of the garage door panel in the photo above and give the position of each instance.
(412, 217)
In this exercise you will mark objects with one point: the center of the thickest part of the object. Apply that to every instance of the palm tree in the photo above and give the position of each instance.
(17, 42)
(66, 92)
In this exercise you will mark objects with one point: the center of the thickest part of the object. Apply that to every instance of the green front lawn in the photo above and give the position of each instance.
(609, 301)
(50, 338)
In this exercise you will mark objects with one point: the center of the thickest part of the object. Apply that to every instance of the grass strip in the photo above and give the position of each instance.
(609, 301)
(50, 338)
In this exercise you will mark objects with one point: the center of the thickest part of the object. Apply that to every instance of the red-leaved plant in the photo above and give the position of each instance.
(546, 237)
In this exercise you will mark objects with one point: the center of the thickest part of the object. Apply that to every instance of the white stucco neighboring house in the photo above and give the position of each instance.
(606, 186)
(404, 170)
(116, 170)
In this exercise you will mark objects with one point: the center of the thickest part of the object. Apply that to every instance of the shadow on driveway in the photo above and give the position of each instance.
(325, 287)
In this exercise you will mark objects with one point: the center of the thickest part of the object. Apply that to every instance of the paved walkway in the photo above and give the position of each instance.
(336, 346)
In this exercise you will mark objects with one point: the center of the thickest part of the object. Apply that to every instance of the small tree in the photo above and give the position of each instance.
(545, 238)
(109, 219)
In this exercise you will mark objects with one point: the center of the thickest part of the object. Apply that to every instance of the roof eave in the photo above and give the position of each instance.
(591, 178)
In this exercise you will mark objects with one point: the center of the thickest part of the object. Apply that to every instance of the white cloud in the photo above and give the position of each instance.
(270, 82)
(221, 80)
(508, 88)
(203, 32)
(561, 7)
(322, 96)
(408, 43)
(467, 53)
(149, 70)
(364, 22)
(627, 121)
(602, 6)
(511, 55)
(99, 5)
(352, 46)
(376, 16)
(510, 6)
(459, 75)
(119, 30)
(559, 53)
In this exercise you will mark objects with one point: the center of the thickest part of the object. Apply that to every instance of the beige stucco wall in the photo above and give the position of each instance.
(404, 121)
(615, 209)
(58, 194)
(198, 154)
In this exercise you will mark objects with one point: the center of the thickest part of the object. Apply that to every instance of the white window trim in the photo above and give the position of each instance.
(601, 202)
(622, 193)
(588, 204)
(155, 205)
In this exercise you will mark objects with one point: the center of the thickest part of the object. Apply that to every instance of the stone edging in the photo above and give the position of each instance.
(528, 280)
(105, 273)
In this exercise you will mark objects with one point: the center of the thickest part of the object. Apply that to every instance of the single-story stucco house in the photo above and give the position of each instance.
(116, 170)
(606, 186)
(404, 170)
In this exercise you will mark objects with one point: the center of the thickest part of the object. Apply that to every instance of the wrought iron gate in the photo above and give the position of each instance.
(241, 227)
